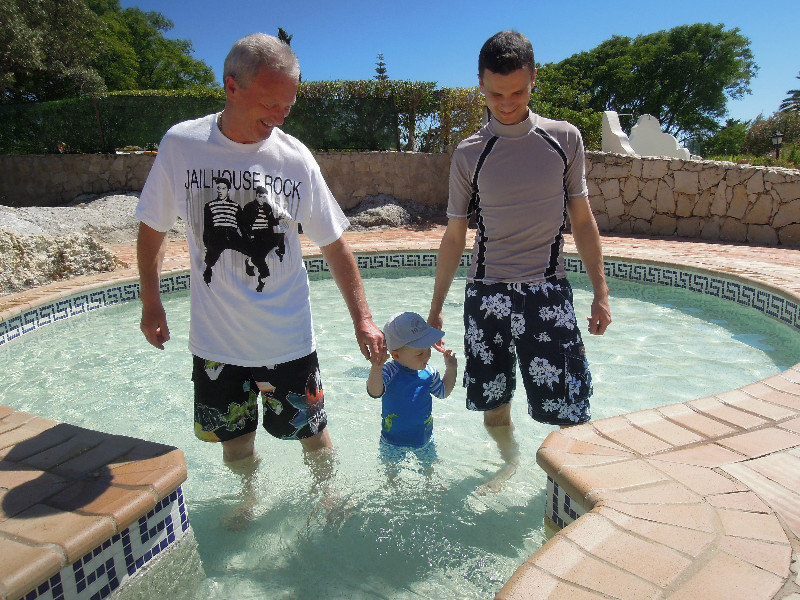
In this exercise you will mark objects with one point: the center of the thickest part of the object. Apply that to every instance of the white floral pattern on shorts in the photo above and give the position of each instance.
(534, 324)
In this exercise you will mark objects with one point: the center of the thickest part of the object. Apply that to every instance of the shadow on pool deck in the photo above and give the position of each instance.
(694, 500)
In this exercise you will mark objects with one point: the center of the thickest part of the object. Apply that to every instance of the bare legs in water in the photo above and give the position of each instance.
(498, 423)
(240, 456)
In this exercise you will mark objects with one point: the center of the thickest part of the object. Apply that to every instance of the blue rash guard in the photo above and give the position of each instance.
(407, 404)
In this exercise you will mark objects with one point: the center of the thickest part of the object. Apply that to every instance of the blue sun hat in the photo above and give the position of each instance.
(409, 329)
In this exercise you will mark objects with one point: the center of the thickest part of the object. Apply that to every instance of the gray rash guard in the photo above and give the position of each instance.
(515, 180)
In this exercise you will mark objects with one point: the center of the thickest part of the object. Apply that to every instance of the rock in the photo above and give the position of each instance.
(41, 244)
(33, 260)
(384, 211)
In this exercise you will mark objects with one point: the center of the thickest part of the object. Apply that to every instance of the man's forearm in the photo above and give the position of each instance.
(150, 249)
(344, 270)
(587, 242)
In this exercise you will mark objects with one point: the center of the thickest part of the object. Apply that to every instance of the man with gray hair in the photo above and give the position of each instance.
(248, 342)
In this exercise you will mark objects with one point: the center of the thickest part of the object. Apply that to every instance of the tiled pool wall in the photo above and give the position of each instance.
(560, 508)
(769, 302)
(114, 561)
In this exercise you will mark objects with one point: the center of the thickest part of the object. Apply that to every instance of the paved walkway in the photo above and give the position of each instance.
(695, 500)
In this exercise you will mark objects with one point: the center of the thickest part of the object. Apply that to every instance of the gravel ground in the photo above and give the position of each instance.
(107, 219)
(43, 244)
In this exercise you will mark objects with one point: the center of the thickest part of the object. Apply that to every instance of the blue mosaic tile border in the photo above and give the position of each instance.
(747, 295)
(773, 305)
(559, 507)
(400, 260)
(78, 304)
(112, 563)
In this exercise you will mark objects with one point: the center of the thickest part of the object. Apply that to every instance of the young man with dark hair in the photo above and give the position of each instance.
(519, 177)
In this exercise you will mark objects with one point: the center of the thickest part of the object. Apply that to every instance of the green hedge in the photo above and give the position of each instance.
(101, 124)
(328, 115)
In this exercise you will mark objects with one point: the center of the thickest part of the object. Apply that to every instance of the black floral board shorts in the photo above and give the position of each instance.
(226, 399)
(535, 324)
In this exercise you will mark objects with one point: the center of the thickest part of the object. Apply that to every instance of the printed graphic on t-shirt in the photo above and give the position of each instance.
(250, 228)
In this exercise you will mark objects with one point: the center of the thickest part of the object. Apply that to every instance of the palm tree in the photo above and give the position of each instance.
(792, 101)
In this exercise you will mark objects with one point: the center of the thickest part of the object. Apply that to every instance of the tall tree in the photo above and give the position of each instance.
(52, 49)
(46, 50)
(380, 69)
(683, 76)
(728, 141)
(285, 37)
(792, 101)
(161, 62)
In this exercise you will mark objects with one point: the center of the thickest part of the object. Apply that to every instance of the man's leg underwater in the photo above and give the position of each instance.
(500, 427)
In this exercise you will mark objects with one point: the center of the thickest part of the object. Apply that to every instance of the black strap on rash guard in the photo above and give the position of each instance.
(555, 247)
(475, 207)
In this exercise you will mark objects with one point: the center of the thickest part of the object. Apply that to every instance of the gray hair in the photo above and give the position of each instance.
(249, 54)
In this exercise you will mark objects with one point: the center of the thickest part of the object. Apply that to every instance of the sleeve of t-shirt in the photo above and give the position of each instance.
(322, 218)
(437, 385)
(576, 168)
(157, 207)
(460, 190)
(389, 370)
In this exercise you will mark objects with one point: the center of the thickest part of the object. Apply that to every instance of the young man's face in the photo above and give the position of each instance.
(507, 96)
(222, 191)
(252, 112)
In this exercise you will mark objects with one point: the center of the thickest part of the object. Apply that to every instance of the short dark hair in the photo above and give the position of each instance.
(505, 52)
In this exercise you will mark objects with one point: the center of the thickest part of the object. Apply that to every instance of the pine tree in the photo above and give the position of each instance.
(792, 101)
(284, 37)
(380, 69)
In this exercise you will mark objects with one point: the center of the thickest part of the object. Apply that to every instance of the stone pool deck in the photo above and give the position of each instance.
(694, 500)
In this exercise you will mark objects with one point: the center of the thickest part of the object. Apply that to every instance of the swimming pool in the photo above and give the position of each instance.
(418, 538)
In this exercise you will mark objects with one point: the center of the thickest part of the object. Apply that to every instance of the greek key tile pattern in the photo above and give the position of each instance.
(559, 507)
(108, 566)
(773, 305)
(78, 304)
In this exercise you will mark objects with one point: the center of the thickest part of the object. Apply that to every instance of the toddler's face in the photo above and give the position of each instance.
(413, 358)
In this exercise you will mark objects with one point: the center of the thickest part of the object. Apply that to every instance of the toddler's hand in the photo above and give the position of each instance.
(449, 356)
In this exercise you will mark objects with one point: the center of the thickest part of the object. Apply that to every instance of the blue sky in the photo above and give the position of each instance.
(439, 41)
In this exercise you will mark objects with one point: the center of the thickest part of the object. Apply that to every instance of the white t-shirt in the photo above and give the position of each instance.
(231, 321)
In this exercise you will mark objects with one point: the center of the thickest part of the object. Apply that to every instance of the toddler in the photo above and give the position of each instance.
(406, 383)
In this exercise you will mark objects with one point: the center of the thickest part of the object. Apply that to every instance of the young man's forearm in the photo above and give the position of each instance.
(450, 251)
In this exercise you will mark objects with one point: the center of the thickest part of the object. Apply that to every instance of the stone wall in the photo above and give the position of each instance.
(695, 199)
(55, 180)
(671, 197)
(404, 175)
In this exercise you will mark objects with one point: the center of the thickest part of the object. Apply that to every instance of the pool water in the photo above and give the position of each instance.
(447, 533)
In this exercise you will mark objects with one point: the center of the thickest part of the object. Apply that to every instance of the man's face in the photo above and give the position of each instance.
(261, 197)
(251, 112)
(222, 190)
(507, 96)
